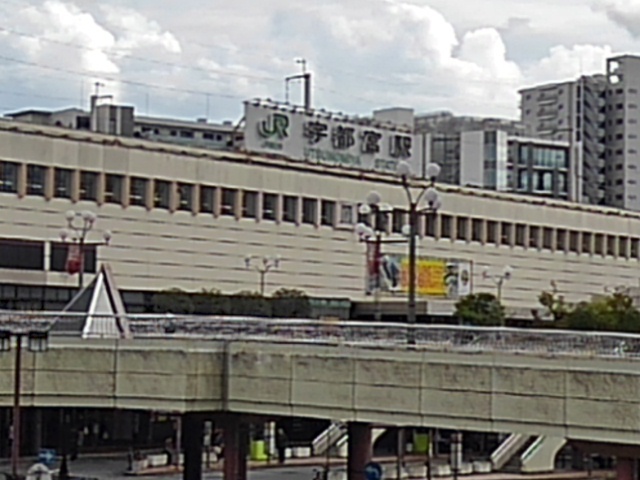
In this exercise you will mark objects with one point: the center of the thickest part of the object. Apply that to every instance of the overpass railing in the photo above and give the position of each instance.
(440, 337)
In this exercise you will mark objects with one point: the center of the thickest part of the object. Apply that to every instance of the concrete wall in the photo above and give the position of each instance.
(164, 376)
(576, 398)
(563, 397)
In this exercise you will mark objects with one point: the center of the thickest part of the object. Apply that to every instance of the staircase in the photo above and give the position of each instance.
(336, 436)
(328, 438)
(540, 457)
(509, 449)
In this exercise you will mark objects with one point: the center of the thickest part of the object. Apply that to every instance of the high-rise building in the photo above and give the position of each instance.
(622, 172)
(572, 112)
(494, 154)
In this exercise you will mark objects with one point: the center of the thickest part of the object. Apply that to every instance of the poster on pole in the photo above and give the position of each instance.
(435, 277)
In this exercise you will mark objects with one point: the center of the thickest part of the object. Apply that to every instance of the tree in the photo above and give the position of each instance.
(290, 303)
(482, 309)
(611, 313)
(249, 304)
(554, 302)
(173, 300)
(211, 302)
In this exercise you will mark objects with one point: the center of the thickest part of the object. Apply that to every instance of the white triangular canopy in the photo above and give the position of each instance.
(106, 316)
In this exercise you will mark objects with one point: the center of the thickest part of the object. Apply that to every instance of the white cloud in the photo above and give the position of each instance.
(137, 31)
(565, 63)
(65, 23)
(364, 54)
(625, 13)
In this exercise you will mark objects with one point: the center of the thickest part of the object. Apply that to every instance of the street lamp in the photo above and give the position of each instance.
(422, 199)
(498, 278)
(262, 265)
(372, 236)
(79, 224)
(37, 341)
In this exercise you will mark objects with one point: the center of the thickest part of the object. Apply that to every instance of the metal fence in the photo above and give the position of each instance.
(363, 334)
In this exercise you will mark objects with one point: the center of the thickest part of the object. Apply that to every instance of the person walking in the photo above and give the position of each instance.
(281, 445)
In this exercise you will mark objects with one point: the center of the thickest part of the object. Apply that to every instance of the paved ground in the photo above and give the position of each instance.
(112, 468)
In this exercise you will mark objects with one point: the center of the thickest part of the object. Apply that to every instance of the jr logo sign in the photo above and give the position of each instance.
(275, 126)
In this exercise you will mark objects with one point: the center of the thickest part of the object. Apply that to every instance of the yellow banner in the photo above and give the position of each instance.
(430, 275)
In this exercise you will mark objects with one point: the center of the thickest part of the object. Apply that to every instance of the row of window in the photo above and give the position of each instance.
(276, 207)
(30, 255)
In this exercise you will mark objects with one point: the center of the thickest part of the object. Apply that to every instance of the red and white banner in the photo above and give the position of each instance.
(74, 259)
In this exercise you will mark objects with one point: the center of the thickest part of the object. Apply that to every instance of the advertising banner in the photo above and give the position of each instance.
(435, 277)
(328, 139)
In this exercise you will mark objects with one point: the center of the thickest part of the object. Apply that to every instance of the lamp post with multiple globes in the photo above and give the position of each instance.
(79, 225)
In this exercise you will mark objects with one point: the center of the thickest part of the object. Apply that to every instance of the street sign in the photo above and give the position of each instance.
(373, 471)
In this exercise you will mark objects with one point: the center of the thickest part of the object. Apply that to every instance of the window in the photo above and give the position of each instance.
(381, 220)
(138, 191)
(492, 231)
(162, 194)
(521, 231)
(8, 177)
(309, 210)
(249, 204)
(185, 197)
(574, 242)
(207, 199)
(228, 203)
(561, 240)
(476, 230)
(186, 134)
(611, 245)
(505, 233)
(397, 221)
(599, 244)
(586, 242)
(89, 186)
(534, 234)
(445, 226)
(36, 176)
(113, 188)
(430, 227)
(59, 252)
(269, 206)
(347, 215)
(547, 238)
(328, 213)
(62, 182)
(290, 209)
(21, 254)
(462, 228)
(623, 247)
(634, 248)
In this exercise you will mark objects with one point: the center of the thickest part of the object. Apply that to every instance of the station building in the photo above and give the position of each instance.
(185, 217)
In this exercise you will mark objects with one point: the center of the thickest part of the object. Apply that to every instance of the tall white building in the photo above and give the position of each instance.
(622, 172)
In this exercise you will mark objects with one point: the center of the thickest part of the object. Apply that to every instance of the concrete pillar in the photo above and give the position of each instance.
(358, 450)
(192, 439)
(236, 439)
(626, 469)
(243, 450)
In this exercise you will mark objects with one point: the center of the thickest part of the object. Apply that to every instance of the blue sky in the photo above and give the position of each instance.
(194, 58)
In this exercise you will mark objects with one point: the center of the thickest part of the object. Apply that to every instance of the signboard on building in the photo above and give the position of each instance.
(328, 139)
(435, 277)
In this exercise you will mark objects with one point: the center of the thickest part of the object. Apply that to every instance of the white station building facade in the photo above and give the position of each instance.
(186, 218)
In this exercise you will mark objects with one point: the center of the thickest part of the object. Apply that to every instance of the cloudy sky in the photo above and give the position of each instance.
(195, 58)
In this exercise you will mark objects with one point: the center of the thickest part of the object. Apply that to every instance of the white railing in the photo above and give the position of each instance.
(442, 337)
